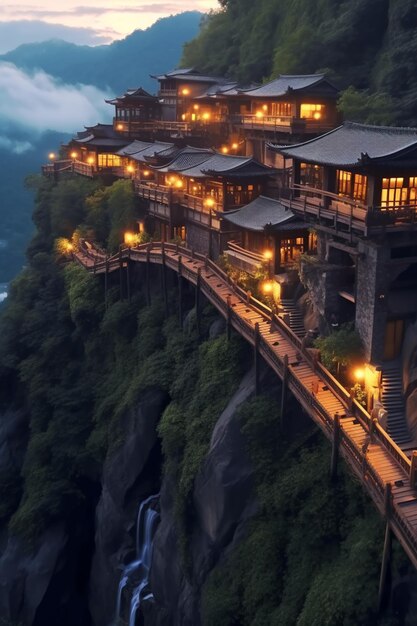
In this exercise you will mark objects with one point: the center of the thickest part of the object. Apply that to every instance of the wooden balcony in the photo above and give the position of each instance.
(281, 124)
(243, 259)
(196, 128)
(83, 169)
(346, 214)
(153, 192)
(57, 167)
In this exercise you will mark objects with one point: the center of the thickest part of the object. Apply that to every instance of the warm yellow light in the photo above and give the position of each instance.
(194, 188)
(206, 116)
(196, 107)
(268, 255)
(317, 115)
(179, 184)
(73, 155)
(129, 238)
(183, 116)
(130, 169)
(90, 160)
(225, 149)
(51, 156)
(119, 127)
(267, 287)
(259, 114)
(209, 202)
(145, 172)
(69, 247)
(359, 373)
(265, 107)
(235, 146)
(185, 91)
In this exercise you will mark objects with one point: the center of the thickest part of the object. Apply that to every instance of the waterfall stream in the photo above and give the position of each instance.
(136, 573)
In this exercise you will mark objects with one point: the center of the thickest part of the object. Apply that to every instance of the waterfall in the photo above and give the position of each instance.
(136, 573)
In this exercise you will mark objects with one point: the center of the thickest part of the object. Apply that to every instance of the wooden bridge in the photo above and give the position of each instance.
(384, 470)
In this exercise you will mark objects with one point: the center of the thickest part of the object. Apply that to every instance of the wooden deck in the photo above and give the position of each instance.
(373, 456)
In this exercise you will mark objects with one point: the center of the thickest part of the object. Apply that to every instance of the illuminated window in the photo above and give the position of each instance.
(412, 191)
(344, 183)
(313, 111)
(109, 160)
(393, 193)
(311, 175)
(281, 109)
(360, 187)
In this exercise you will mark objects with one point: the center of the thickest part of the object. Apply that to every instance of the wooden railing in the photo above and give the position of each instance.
(62, 165)
(153, 192)
(84, 169)
(95, 261)
(243, 259)
(345, 211)
(352, 406)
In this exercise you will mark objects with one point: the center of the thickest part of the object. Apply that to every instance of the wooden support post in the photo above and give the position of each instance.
(384, 579)
(229, 319)
(206, 265)
(284, 391)
(180, 290)
(256, 358)
(413, 470)
(198, 301)
(106, 283)
(164, 281)
(128, 277)
(121, 273)
(148, 275)
(335, 447)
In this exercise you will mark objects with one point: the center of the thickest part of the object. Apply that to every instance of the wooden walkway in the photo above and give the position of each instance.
(383, 469)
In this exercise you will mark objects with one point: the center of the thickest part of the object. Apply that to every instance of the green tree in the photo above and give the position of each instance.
(342, 347)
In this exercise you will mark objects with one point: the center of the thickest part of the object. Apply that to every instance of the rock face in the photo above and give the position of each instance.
(47, 584)
(223, 501)
(129, 474)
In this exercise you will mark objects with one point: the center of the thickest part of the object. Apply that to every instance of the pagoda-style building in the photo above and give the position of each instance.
(357, 186)
(266, 233)
(189, 195)
(135, 111)
(286, 110)
(95, 150)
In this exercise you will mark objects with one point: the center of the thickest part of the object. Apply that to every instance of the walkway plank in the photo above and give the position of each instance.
(319, 394)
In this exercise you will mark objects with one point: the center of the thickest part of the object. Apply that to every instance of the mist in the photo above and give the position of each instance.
(36, 102)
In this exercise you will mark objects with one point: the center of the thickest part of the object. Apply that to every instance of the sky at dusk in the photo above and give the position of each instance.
(93, 22)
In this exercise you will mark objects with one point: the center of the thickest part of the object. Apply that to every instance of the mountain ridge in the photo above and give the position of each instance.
(110, 66)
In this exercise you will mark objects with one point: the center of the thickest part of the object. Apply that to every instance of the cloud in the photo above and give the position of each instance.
(18, 147)
(38, 103)
(157, 8)
(18, 32)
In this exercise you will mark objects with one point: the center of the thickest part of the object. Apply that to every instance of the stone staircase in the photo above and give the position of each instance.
(296, 319)
(393, 402)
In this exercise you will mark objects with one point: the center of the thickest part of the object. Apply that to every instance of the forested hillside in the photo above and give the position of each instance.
(367, 44)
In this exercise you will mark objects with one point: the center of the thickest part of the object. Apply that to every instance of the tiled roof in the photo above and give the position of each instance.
(263, 212)
(101, 130)
(220, 165)
(285, 83)
(353, 144)
(155, 149)
(187, 158)
(218, 89)
(135, 146)
(101, 142)
(190, 74)
(135, 94)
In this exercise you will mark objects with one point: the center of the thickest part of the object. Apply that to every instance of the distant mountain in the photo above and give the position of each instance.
(118, 66)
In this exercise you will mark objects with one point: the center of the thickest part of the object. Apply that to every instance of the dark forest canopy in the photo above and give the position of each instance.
(369, 45)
